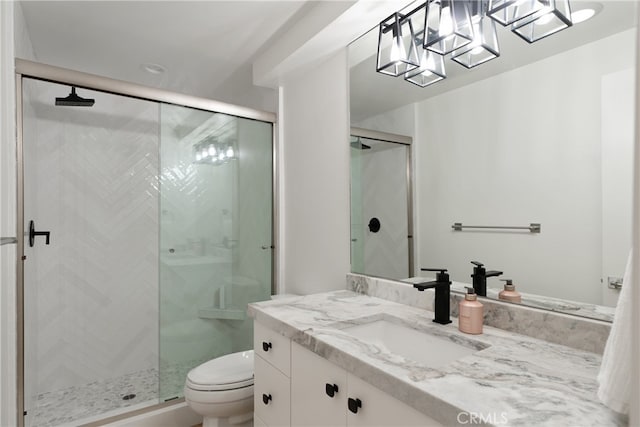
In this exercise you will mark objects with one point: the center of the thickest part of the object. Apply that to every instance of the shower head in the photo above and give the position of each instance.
(359, 145)
(73, 100)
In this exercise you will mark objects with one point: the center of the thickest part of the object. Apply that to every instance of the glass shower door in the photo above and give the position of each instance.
(379, 208)
(90, 287)
(215, 236)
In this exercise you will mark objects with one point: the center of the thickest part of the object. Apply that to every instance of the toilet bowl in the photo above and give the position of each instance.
(221, 390)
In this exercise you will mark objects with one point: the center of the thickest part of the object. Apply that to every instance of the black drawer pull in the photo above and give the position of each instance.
(331, 389)
(266, 345)
(266, 398)
(354, 404)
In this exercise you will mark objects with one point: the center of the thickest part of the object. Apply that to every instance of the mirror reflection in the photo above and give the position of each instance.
(541, 134)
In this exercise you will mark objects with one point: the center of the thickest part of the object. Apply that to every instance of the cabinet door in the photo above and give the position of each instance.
(318, 390)
(271, 393)
(272, 347)
(379, 409)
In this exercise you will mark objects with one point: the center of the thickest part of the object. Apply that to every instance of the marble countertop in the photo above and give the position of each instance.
(510, 380)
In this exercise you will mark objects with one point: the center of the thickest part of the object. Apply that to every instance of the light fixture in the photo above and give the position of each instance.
(582, 15)
(431, 69)
(506, 12)
(584, 11)
(397, 51)
(212, 151)
(466, 29)
(555, 16)
(447, 25)
(484, 46)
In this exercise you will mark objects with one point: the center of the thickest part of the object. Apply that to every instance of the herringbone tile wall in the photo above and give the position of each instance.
(92, 295)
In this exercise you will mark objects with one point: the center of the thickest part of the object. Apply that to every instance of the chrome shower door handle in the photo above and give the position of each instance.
(33, 233)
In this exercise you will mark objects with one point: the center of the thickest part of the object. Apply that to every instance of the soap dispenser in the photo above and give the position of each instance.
(509, 293)
(470, 314)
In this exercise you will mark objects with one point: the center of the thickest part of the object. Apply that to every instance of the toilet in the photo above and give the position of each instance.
(221, 390)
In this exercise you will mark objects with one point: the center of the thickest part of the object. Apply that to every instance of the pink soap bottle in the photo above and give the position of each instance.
(509, 293)
(470, 314)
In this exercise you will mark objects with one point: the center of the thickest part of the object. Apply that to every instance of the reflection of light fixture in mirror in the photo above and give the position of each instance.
(507, 12)
(447, 25)
(212, 151)
(555, 16)
(401, 55)
(484, 46)
(431, 69)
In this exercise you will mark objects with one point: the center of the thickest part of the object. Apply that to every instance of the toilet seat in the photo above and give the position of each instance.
(230, 372)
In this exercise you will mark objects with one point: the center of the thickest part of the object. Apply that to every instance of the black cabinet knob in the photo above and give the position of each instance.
(266, 345)
(354, 404)
(331, 389)
(266, 398)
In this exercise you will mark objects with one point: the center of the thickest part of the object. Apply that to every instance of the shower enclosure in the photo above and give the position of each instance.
(148, 230)
(381, 208)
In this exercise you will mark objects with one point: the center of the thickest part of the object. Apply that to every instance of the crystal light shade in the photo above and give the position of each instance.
(506, 12)
(431, 68)
(397, 52)
(484, 46)
(554, 17)
(448, 25)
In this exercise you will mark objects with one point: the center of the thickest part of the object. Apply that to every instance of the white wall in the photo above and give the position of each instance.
(315, 169)
(399, 121)
(618, 113)
(478, 148)
(7, 218)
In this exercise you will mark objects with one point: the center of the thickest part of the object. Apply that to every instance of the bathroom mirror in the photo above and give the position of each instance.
(542, 134)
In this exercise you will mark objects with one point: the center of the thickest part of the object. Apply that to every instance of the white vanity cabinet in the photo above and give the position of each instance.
(272, 389)
(323, 394)
(311, 391)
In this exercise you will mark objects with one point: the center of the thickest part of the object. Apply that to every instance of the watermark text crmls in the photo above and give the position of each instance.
(495, 418)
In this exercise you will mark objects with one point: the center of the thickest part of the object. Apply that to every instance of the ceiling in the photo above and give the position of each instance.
(206, 47)
(393, 92)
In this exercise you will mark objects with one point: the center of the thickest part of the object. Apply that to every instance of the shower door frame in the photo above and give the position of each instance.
(49, 73)
(408, 142)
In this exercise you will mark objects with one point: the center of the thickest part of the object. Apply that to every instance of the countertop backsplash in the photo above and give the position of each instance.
(573, 331)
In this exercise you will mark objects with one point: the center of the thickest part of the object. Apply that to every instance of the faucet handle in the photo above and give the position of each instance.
(479, 264)
(442, 275)
(441, 270)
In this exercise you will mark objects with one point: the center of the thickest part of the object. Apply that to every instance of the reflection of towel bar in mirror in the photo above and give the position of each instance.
(532, 227)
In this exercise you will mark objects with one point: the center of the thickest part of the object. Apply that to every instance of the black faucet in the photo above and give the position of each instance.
(480, 278)
(442, 285)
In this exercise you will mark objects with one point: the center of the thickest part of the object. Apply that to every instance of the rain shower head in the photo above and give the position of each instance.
(73, 100)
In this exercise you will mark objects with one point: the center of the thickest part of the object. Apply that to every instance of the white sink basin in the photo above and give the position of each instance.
(410, 343)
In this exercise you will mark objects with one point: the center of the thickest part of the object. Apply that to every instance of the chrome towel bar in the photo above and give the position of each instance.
(532, 227)
(7, 240)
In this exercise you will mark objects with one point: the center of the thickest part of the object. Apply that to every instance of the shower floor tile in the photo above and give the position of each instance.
(76, 403)
(82, 404)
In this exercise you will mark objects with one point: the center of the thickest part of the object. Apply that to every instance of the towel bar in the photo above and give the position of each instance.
(532, 227)
(7, 240)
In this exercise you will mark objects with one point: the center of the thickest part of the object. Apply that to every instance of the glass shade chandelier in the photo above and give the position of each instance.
(463, 29)
(211, 151)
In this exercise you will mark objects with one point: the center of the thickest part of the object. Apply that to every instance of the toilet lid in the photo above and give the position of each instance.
(223, 373)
